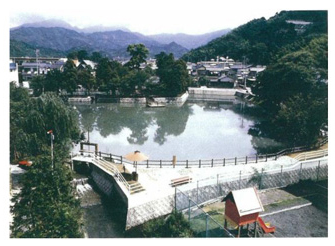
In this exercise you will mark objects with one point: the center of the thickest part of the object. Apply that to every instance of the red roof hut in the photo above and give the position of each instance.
(243, 208)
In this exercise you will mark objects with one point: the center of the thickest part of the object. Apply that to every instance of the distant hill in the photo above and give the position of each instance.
(189, 41)
(260, 40)
(112, 43)
(19, 49)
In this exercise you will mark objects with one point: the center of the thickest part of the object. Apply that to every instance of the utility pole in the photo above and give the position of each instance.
(52, 148)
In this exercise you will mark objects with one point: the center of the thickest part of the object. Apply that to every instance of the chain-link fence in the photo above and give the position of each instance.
(201, 223)
(189, 198)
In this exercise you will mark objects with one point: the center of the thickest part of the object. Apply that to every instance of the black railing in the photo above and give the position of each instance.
(208, 163)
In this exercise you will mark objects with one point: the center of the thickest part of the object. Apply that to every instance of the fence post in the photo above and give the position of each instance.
(217, 183)
(147, 163)
(246, 160)
(318, 171)
(110, 157)
(121, 159)
(186, 163)
(224, 161)
(189, 209)
(261, 179)
(160, 163)
(281, 175)
(206, 224)
(100, 154)
(275, 157)
(235, 160)
(256, 158)
(266, 157)
(175, 198)
(197, 192)
(212, 162)
(199, 163)
(239, 183)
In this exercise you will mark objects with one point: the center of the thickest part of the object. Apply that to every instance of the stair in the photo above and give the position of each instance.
(135, 188)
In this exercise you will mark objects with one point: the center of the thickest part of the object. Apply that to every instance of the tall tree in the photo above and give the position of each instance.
(31, 118)
(138, 53)
(46, 207)
(70, 76)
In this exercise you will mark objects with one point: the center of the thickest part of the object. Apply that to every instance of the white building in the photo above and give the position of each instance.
(13, 73)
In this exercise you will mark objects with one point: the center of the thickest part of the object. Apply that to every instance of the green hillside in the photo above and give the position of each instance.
(260, 40)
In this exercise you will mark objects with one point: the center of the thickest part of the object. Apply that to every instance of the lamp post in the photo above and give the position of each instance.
(52, 148)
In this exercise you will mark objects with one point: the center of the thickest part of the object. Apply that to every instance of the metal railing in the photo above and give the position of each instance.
(209, 162)
(311, 155)
(110, 168)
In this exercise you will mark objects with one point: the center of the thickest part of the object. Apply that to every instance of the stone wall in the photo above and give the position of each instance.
(148, 211)
(168, 100)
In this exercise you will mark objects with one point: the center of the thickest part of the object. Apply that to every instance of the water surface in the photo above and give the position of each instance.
(196, 130)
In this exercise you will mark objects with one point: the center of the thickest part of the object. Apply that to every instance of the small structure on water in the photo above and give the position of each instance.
(243, 208)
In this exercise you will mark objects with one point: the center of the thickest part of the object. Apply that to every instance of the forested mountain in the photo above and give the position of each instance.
(62, 40)
(260, 40)
(188, 41)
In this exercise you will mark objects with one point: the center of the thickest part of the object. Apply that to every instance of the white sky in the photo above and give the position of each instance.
(152, 17)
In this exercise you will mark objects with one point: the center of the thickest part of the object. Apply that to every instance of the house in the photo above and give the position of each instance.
(32, 69)
(254, 71)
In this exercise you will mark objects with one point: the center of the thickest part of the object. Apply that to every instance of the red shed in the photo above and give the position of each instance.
(242, 207)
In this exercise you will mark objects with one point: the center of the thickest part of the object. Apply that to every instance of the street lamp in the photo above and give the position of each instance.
(52, 148)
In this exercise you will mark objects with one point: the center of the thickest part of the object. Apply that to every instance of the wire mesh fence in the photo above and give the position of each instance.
(190, 197)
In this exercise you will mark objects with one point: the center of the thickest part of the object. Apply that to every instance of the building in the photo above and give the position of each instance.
(13, 72)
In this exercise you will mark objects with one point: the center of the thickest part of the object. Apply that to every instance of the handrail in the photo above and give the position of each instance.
(205, 163)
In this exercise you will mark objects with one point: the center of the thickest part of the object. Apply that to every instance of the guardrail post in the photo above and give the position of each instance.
(246, 160)
(100, 154)
(199, 163)
(147, 163)
(110, 157)
(235, 160)
(275, 157)
(224, 161)
(121, 159)
(212, 162)
(266, 157)
(160, 163)
(300, 173)
(256, 158)
(186, 163)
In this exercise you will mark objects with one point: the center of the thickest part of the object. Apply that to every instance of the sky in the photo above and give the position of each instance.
(154, 16)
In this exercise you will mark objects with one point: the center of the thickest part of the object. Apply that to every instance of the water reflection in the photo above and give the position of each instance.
(196, 130)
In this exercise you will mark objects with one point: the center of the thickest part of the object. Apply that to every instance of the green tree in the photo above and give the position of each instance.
(31, 118)
(46, 207)
(82, 55)
(38, 85)
(54, 81)
(173, 74)
(138, 53)
(70, 76)
(96, 57)
(86, 79)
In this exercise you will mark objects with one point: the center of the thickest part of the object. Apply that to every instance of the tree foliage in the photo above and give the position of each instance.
(45, 207)
(294, 92)
(175, 225)
(138, 53)
(31, 118)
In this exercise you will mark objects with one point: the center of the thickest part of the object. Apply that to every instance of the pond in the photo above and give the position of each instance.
(196, 130)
